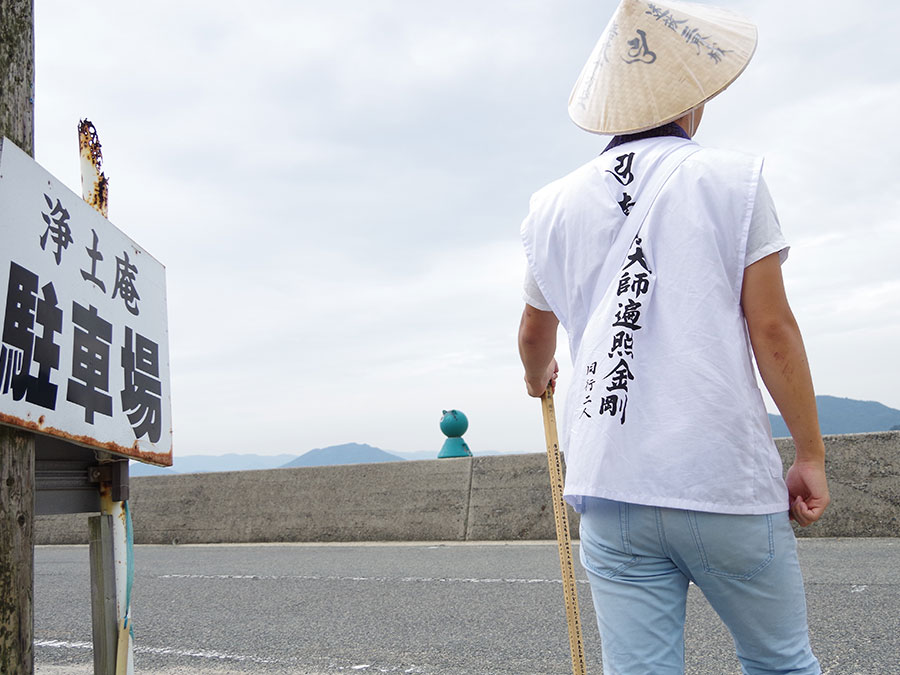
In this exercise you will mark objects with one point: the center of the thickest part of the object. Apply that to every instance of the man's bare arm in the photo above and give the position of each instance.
(781, 357)
(537, 347)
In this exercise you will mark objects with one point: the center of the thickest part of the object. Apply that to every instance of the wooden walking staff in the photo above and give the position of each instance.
(563, 538)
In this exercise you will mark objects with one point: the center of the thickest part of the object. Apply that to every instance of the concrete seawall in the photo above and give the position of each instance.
(497, 497)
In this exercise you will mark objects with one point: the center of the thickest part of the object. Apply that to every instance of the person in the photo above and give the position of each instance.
(662, 262)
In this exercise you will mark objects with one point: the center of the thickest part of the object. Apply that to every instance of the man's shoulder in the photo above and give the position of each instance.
(722, 161)
(567, 185)
(575, 177)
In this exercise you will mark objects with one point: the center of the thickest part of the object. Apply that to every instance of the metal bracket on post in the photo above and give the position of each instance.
(114, 473)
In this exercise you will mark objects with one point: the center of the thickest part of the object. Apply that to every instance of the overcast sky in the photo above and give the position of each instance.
(336, 191)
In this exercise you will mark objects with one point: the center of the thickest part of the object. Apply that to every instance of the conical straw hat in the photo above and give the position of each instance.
(656, 61)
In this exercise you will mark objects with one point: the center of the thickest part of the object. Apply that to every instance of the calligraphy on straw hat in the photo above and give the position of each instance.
(655, 61)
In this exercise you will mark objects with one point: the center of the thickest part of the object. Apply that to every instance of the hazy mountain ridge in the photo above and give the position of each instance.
(845, 416)
(212, 463)
(348, 453)
(836, 416)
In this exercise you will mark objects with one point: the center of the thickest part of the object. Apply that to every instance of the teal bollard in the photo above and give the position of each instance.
(454, 425)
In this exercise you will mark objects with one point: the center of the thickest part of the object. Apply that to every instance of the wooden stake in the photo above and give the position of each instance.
(16, 552)
(563, 537)
(103, 594)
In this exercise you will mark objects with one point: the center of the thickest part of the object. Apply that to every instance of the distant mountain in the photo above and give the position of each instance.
(209, 463)
(141, 469)
(229, 462)
(836, 416)
(845, 416)
(348, 453)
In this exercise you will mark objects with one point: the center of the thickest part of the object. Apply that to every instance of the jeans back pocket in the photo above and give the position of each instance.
(605, 545)
(733, 546)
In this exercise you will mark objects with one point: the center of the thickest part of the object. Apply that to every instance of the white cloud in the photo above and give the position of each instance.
(336, 192)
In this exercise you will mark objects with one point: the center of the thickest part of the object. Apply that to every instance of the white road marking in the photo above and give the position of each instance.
(317, 577)
(165, 651)
(219, 656)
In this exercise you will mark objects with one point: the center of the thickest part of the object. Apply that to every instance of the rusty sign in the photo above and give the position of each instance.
(94, 183)
(84, 352)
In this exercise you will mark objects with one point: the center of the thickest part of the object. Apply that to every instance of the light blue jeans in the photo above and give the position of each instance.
(639, 560)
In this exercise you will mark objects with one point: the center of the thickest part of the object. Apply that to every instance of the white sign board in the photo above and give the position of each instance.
(84, 353)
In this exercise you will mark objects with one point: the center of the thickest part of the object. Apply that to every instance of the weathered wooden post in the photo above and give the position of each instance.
(16, 552)
(17, 447)
(17, 72)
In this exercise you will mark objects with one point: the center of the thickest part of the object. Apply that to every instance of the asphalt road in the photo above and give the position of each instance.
(454, 609)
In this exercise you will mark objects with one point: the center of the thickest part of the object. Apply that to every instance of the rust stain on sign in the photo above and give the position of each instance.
(133, 452)
(94, 183)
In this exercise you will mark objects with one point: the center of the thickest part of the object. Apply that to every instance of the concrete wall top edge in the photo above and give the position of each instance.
(459, 462)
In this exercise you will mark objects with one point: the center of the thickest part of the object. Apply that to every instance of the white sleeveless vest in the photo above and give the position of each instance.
(663, 408)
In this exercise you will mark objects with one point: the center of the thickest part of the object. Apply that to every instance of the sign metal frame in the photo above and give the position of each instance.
(84, 353)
